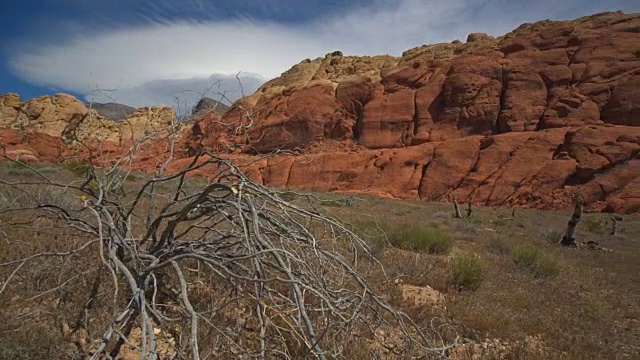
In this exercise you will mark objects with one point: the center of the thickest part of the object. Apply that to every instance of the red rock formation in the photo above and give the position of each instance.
(539, 169)
(30, 146)
(526, 119)
(540, 76)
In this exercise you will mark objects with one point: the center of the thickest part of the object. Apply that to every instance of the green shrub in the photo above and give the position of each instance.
(547, 268)
(404, 236)
(19, 167)
(79, 168)
(332, 203)
(553, 237)
(499, 246)
(468, 271)
(372, 234)
(500, 221)
(341, 202)
(475, 220)
(21, 162)
(420, 238)
(533, 260)
(594, 226)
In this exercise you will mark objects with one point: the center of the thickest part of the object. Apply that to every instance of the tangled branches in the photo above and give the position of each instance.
(224, 269)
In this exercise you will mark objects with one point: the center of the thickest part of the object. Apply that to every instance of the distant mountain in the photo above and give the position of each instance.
(209, 104)
(112, 111)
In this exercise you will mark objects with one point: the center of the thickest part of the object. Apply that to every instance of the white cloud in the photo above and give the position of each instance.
(183, 50)
(140, 61)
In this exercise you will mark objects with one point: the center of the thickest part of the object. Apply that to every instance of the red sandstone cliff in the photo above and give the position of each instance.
(525, 120)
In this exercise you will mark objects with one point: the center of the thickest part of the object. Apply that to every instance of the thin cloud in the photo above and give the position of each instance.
(174, 51)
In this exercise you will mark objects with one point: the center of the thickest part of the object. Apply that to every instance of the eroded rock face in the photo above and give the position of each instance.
(530, 169)
(527, 119)
(64, 116)
(30, 147)
(207, 103)
(48, 114)
(540, 76)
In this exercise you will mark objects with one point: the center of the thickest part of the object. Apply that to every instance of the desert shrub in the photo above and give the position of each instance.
(404, 236)
(516, 184)
(553, 237)
(18, 168)
(132, 177)
(287, 196)
(419, 238)
(474, 219)
(531, 259)
(341, 202)
(372, 233)
(466, 230)
(13, 197)
(594, 226)
(19, 164)
(468, 271)
(332, 203)
(499, 245)
(441, 215)
(547, 268)
(79, 168)
(215, 242)
(501, 220)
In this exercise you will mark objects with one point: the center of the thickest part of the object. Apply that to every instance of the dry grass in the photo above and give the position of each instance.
(468, 271)
(581, 303)
(567, 296)
(535, 261)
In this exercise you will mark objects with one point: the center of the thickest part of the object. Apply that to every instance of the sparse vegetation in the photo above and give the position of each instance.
(468, 271)
(78, 167)
(411, 237)
(499, 270)
(500, 221)
(553, 237)
(419, 238)
(374, 236)
(138, 243)
(594, 226)
(533, 260)
(19, 164)
(498, 245)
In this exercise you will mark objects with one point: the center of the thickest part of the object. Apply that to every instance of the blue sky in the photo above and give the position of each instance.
(145, 52)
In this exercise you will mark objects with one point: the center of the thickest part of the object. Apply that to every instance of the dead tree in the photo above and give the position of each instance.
(614, 226)
(569, 238)
(458, 214)
(189, 263)
(469, 211)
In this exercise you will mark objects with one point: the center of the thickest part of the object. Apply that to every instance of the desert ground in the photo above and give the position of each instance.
(496, 282)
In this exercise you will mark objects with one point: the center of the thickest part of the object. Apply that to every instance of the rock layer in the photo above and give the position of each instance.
(526, 119)
(540, 76)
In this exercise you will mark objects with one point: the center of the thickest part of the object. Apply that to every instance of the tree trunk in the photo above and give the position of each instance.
(457, 208)
(616, 220)
(569, 238)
